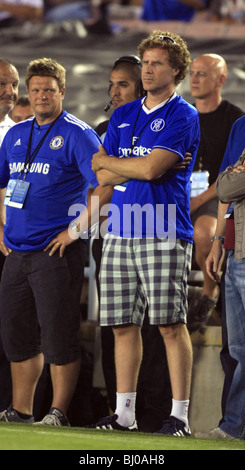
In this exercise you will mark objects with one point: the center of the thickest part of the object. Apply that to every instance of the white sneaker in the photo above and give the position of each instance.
(54, 418)
(216, 433)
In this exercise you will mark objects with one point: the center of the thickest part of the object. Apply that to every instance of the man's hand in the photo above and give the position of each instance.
(3, 248)
(60, 242)
(186, 162)
(213, 261)
(238, 169)
(98, 159)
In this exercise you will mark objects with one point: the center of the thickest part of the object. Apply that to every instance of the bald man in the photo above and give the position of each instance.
(208, 75)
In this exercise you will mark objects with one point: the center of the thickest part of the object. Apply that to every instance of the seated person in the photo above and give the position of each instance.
(175, 10)
(12, 12)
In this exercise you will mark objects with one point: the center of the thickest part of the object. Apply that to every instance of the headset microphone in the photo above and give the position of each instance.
(107, 107)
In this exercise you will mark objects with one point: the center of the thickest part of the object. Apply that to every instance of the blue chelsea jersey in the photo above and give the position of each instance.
(59, 177)
(175, 10)
(235, 144)
(145, 208)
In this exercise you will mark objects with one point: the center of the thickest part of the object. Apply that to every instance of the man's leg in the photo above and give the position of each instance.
(180, 358)
(128, 356)
(200, 311)
(20, 335)
(57, 285)
(179, 354)
(64, 380)
(25, 375)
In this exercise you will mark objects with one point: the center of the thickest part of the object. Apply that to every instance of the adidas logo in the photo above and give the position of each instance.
(18, 142)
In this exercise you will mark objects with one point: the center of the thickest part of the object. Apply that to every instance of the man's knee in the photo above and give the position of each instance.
(121, 331)
(172, 332)
(204, 229)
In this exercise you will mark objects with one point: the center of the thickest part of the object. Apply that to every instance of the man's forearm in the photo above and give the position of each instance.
(108, 178)
(230, 186)
(221, 221)
(145, 168)
(91, 215)
(2, 207)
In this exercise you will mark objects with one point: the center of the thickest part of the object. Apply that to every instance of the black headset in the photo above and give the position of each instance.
(132, 59)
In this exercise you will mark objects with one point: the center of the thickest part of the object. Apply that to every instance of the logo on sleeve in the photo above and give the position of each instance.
(56, 143)
(157, 125)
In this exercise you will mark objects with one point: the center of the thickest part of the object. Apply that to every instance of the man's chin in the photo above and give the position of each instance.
(6, 108)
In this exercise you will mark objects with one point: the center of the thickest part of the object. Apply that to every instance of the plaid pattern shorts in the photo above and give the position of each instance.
(138, 272)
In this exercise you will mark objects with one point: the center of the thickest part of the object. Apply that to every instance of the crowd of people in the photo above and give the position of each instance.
(229, 11)
(95, 14)
(54, 166)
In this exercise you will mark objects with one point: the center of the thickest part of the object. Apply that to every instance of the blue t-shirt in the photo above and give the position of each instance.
(174, 127)
(157, 10)
(59, 177)
(235, 144)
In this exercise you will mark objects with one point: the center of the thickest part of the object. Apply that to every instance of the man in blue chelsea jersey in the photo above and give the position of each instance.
(147, 250)
(45, 163)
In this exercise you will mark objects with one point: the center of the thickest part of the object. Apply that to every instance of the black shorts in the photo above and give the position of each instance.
(40, 304)
(208, 208)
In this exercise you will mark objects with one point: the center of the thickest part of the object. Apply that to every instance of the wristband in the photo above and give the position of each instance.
(218, 237)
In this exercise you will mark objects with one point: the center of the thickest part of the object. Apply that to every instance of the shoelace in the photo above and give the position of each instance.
(52, 419)
(4, 415)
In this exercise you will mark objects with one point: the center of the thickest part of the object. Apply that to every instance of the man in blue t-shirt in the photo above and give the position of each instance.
(45, 164)
(174, 10)
(147, 251)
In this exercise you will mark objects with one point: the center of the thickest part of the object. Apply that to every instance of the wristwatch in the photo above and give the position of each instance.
(73, 226)
(218, 237)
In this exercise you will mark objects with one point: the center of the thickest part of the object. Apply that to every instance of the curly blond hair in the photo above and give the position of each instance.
(179, 56)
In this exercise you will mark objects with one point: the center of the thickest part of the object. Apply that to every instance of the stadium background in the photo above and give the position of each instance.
(88, 59)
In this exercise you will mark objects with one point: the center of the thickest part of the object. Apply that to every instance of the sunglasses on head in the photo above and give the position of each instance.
(164, 38)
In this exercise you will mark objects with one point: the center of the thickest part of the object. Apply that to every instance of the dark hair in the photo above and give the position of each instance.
(23, 101)
(132, 64)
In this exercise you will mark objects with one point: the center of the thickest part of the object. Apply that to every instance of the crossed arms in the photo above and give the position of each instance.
(113, 170)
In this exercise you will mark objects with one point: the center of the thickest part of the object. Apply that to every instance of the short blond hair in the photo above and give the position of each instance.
(46, 67)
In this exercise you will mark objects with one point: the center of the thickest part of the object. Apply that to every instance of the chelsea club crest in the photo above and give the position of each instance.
(56, 143)
(157, 125)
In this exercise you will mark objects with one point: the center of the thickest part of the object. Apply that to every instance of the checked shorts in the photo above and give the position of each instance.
(136, 272)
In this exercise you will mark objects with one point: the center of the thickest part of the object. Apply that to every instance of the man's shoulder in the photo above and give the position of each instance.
(128, 107)
(239, 124)
(102, 127)
(74, 123)
(186, 107)
(6, 123)
(228, 107)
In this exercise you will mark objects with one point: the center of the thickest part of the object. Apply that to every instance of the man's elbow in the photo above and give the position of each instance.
(153, 174)
(101, 179)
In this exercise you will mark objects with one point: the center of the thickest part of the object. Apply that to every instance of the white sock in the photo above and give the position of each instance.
(125, 408)
(180, 410)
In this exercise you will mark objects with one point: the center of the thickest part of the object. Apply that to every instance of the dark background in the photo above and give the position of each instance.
(88, 59)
